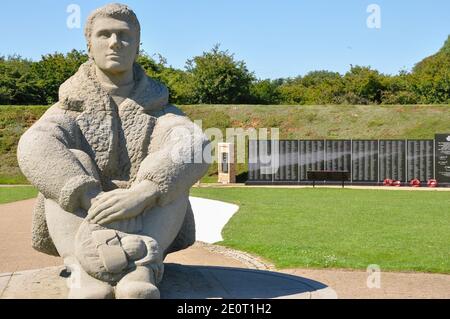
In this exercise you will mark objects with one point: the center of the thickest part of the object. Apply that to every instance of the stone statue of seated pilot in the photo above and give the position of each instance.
(112, 201)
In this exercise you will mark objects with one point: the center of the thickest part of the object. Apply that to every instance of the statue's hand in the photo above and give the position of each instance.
(88, 198)
(122, 204)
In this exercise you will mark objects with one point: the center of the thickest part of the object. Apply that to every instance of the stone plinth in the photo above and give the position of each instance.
(180, 282)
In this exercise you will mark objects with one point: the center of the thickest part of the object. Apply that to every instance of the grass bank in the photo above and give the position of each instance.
(294, 122)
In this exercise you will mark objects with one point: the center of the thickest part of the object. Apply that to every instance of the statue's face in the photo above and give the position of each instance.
(114, 45)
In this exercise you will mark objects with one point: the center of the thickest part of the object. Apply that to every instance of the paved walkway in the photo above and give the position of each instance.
(16, 255)
(208, 227)
(350, 284)
(15, 239)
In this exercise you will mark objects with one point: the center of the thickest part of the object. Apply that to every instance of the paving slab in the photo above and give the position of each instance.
(4, 281)
(352, 284)
(16, 252)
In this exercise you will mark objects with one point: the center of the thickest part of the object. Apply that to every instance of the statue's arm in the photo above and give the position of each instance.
(175, 161)
(45, 158)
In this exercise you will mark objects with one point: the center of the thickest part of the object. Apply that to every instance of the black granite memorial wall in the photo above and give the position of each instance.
(288, 163)
(420, 160)
(311, 157)
(365, 161)
(338, 155)
(260, 169)
(392, 157)
(368, 161)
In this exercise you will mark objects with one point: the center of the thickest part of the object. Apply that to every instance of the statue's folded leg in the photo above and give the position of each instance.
(63, 225)
(163, 225)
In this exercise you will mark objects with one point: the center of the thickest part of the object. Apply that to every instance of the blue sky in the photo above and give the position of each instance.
(281, 38)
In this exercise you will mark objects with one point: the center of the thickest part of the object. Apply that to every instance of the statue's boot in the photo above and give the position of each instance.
(138, 284)
(83, 286)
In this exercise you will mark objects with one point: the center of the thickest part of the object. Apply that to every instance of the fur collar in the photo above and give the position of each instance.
(117, 139)
(82, 91)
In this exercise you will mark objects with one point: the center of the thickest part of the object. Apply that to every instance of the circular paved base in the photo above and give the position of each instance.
(180, 282)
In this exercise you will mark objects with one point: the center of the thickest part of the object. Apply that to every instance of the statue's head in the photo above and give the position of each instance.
(113, 37)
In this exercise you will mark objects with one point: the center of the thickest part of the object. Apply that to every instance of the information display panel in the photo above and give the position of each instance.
(442, 147)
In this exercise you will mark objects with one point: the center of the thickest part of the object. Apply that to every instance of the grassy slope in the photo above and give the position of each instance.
(325, 122)
(331, 122)
(339, 228)
(14, 120)
(296, 122)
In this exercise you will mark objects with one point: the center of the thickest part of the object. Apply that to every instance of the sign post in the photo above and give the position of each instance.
(227, 165)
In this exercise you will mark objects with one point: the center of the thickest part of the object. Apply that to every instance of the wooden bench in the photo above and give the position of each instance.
(341, 176)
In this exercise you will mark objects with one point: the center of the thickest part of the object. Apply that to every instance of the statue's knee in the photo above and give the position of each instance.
(87, 162)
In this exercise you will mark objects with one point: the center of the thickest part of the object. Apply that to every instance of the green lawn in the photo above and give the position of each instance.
(340, 228)
(13, 194)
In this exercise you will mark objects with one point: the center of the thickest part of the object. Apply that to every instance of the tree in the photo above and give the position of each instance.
(53, 70)
(216, 77)
(17, 84)
(292, 91)
(363, 85)
(151, 67)
(317, 87)
(431, 77)
(219, 78)
(398, 90)
(323, 87)
(179, 82)
(265, 92)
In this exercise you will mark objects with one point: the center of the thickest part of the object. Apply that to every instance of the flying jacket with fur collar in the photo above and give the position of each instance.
(130, 142)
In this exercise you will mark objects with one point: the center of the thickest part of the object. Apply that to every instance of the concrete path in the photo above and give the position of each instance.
(16, 255)
(15, 239)
(350, 284)
(211, 216)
